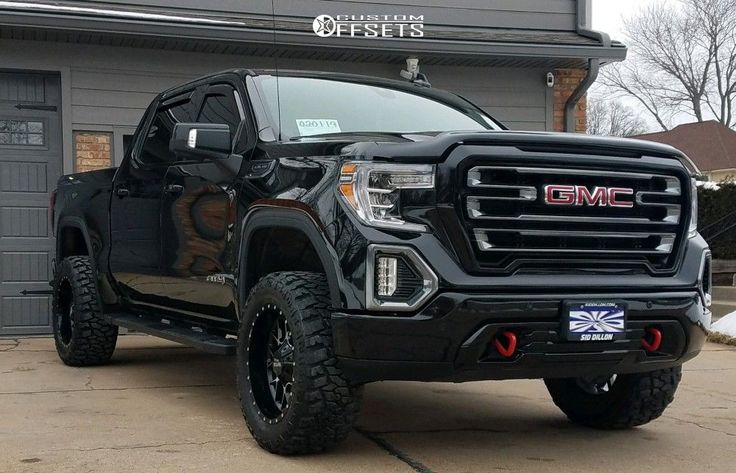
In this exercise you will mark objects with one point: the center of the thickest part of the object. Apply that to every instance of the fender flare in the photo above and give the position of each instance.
(269, 216)
(79, 224)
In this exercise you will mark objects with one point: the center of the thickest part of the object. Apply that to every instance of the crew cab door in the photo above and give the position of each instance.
(135, 209)
(198, 215)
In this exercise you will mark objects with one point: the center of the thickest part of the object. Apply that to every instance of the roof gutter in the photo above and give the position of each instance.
(584, 12)
(57, 15)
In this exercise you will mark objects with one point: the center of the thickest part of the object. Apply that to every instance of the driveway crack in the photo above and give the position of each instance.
(441, 431)
(711, 429)
(395, 452)
(153, 445)
(14, 344)
(89, 388)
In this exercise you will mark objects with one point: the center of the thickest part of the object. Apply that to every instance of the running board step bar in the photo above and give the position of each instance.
(179, 333)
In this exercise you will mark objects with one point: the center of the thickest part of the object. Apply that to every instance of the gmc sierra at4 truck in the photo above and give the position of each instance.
(334, 230)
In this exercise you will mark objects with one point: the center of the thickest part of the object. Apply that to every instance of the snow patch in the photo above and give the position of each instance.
(710, 185)
(725, 325)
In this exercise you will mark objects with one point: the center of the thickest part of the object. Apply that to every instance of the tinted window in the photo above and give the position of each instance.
(156, 145)
(306, 106)
(219, 106)
(127, 142)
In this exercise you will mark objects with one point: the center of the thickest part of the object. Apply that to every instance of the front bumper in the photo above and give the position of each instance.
(451, 339)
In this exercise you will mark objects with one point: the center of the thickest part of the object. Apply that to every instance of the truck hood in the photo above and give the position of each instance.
(434, 149)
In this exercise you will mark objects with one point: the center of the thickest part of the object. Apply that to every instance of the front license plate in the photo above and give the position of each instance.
(594, 321)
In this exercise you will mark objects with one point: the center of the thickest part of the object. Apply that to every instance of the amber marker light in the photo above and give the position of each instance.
(347, 181)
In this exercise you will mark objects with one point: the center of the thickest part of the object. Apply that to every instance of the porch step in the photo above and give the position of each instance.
(724, 293)
(721, 308)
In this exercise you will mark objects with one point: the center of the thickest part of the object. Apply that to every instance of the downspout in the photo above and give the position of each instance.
(580, 90)
(583, 28)
(583, 24)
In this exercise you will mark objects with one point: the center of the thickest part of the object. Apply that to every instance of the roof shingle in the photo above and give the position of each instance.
(711, 145)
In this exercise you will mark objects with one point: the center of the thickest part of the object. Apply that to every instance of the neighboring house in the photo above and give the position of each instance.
(711, 146)
(77, 76)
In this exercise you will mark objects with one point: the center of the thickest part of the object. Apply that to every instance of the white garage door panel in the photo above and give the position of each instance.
(30, 164)
(23, 177)
(26, 314)
(24, 266)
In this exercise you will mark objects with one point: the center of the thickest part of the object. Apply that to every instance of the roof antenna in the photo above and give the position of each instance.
(412, 74)
(276, 64)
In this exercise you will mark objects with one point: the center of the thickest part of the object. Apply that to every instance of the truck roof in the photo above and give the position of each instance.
(449, 98)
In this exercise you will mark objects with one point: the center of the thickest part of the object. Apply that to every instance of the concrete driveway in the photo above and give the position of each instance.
(162, 407)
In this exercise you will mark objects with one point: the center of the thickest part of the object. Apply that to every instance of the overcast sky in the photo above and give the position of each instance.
(608, 14)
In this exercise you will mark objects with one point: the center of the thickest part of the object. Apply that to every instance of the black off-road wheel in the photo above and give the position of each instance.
(82, 336)
(294, 398)
(615, 402)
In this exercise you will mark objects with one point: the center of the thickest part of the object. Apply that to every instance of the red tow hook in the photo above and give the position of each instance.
(655, 335)
(509, 349)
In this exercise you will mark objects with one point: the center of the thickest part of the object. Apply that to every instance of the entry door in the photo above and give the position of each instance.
(135, 210)
(198, 220)
(30, 165)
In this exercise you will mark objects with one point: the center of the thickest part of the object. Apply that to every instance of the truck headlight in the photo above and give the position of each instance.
(373, 191)
(693, 229)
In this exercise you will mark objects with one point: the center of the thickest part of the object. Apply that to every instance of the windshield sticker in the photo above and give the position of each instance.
(317, 126)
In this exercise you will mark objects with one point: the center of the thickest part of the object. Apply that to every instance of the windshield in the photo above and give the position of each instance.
(311, 106)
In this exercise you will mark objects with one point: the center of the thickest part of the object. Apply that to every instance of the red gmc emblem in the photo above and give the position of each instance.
(580, 195)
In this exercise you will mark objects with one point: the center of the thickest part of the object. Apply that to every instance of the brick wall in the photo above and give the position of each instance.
(566, 80)
(92, 150)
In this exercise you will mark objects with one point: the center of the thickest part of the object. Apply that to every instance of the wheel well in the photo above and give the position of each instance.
(72, 243)
(279, 249)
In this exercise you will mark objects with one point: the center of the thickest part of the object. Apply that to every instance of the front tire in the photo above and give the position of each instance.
(294, 398)
(618, 402)
(82, 336)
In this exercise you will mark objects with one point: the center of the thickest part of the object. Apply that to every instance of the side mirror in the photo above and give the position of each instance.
(201, 141)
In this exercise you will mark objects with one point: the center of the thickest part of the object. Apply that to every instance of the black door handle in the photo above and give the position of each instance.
(173, 189)
(122, 192)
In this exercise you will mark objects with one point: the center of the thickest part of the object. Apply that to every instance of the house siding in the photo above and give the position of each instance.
(110, 87)
(558, 15)
(721, 175)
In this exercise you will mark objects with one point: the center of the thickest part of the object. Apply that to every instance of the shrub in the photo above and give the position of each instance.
(717, 219)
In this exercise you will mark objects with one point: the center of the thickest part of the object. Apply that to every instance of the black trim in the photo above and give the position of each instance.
(78, 223)
(46, 108)
(266, 216)
(451, 338)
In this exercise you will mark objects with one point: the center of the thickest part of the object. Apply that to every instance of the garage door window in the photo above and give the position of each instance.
(22, 132)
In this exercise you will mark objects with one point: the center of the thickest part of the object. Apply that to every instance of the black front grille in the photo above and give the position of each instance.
(534, 214)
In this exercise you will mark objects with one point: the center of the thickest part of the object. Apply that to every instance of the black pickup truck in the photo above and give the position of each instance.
(333, 230)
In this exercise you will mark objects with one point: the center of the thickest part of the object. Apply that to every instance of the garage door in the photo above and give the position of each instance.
(30, 164)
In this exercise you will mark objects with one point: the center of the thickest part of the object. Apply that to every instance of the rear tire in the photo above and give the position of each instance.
(294, 398)
(82, 336)
(631, 400)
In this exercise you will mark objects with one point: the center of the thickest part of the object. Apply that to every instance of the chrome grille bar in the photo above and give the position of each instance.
(665, 243)
(524, 223)
(476, 177)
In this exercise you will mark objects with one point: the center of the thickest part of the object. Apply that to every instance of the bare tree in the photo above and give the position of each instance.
(613, 118)
(717, 24)
(629, 80)
(683, 60)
